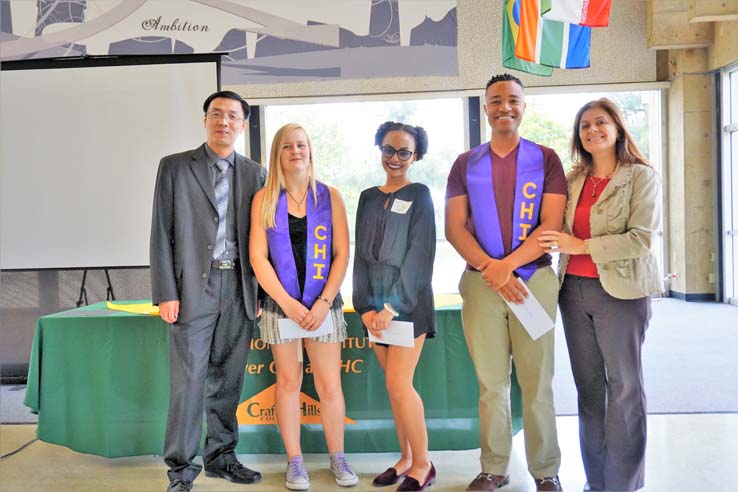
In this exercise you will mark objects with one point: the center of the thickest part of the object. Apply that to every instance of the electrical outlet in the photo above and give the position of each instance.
(711, 278)
(712, 257)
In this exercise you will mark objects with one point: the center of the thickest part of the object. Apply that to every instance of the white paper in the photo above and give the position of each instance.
(531, 314)
(400, 206)
(400, 333)
(288, 329)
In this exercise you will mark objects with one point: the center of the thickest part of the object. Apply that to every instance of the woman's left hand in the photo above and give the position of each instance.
(317, 315)
(560, 242)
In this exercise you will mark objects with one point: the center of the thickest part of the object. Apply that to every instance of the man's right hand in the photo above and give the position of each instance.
(169, 311)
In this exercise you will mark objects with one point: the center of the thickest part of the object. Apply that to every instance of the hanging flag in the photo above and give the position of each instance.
(592, 13)
(510, 23)
(551, 43)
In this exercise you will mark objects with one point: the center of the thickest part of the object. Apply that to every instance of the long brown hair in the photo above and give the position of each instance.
(626, 150)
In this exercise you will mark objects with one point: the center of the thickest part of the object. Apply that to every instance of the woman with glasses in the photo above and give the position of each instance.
(608, 273)
(299, 249)
(393, 267)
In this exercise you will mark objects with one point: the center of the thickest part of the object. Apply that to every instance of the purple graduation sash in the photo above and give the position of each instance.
(526, 210)
(318, 255)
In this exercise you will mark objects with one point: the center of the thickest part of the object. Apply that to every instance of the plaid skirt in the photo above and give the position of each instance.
(271, 313)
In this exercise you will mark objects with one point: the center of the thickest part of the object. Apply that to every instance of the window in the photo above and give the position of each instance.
(342, 134)
(345, 157)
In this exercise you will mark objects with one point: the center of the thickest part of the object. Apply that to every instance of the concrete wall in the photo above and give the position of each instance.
(702, 38)
(690, 170)
(619, 54)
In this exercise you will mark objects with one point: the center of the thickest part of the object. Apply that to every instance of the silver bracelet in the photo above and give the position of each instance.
(322, 298)
(388, 307)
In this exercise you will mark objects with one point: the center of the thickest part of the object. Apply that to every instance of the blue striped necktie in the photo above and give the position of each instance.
(221, 201)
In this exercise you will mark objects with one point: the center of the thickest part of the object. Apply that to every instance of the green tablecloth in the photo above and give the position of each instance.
(99, 381)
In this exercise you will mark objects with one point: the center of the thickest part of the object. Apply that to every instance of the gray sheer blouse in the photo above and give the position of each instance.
(395, 248)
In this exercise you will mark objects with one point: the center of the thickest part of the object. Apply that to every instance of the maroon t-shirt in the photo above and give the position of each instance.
(504, 173)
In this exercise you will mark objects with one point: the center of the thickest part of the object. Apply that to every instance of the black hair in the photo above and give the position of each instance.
(227, 95)
(504, 77)
(417, 132)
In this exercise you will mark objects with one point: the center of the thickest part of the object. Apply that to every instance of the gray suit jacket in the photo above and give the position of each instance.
(183, 229)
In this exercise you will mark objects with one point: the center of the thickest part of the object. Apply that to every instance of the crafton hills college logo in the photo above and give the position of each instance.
(259, 409)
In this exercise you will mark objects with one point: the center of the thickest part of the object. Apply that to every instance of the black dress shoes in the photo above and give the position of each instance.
(234, 472)
(388, 477)
(179, 485)
(410, 484)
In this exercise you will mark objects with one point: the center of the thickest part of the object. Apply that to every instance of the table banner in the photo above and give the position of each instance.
(100, 385)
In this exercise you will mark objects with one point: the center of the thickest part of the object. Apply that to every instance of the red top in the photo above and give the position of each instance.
(582, 265)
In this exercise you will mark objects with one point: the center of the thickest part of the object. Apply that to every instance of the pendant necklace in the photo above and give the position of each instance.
(298, 202)
(595, 184)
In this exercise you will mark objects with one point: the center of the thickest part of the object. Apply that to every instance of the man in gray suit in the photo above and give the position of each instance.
(201, 278)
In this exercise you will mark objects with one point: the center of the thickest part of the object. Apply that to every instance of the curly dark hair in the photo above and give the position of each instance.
(417, 132)
(503, 77)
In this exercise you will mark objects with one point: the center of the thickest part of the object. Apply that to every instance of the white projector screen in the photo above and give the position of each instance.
(79, 151)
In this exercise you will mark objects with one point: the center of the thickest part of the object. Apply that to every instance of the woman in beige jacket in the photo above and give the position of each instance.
(608, 274)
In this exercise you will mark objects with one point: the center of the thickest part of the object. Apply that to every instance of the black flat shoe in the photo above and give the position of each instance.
(388, 477)
(180, 485)
(410, 484)
(234, 472)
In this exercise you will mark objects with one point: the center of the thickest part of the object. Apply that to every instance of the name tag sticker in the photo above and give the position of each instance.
(400, 206)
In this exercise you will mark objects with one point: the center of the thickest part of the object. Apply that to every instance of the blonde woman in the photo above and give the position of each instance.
(299, 250)
(608, 274)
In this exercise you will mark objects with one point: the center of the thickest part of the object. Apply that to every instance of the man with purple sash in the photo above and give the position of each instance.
(499, 196)
(317, 261)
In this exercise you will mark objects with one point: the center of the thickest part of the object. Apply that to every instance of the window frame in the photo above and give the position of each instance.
(474, 123)
(728, 127)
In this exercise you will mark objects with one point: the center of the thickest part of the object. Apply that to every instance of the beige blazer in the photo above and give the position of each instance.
(623, 221)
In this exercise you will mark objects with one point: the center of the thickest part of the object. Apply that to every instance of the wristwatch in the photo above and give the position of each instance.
(388, 307)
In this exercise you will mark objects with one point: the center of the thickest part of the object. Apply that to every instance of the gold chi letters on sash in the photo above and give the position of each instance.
(527, 209)
(320, 251)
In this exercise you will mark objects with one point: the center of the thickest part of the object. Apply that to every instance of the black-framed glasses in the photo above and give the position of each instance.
(403, 154)
(230, 117)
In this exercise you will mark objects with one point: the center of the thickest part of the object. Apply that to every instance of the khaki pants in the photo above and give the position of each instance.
(493, 334)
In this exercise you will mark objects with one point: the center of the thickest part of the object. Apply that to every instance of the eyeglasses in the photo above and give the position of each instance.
(403, 154)
(230, 117)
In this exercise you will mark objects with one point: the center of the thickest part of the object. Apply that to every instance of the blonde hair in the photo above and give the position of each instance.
(626, 150)
(275, 177)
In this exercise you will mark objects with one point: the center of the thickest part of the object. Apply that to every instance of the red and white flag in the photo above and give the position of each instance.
(592, 13)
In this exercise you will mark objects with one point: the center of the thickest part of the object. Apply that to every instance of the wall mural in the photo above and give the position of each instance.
(267, 41)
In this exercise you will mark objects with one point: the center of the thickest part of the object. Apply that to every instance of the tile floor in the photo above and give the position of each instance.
(685, 452)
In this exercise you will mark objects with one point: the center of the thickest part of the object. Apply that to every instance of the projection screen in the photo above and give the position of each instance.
(79, 151)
